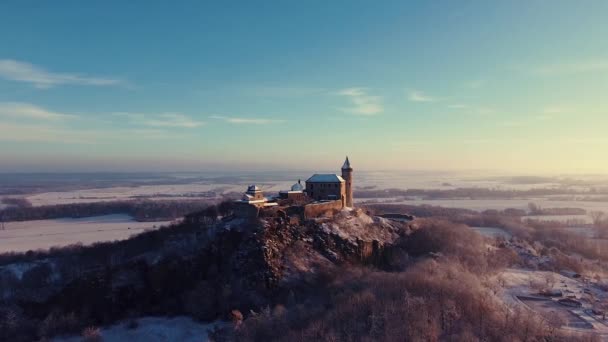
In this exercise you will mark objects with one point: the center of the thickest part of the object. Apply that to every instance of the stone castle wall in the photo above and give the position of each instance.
(317, 209)
(245, 210)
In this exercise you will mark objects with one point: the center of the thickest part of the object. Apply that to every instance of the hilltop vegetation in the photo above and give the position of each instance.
(350, 277)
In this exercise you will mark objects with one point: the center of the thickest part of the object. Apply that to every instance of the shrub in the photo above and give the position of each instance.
(91, 334)
(57, 323)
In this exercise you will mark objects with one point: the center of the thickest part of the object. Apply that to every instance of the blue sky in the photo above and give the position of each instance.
(516, 86)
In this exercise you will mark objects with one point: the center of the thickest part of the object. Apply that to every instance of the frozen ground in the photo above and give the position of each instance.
(521, 287)
(484, 204)
(585, 219)
(43, 234)
(154, 329)
(155, 192)
(492, 232)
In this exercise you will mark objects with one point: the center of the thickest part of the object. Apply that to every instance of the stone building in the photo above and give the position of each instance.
(296, 193)
(255, 196)
(323, 193)
(331, 187)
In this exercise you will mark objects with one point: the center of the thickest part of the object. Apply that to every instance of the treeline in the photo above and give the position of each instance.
(564, 244)
(140, 210)
(470, 193)
(421, 210)
(16, 202)
(536, 209)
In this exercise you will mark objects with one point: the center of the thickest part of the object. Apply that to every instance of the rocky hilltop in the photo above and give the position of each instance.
(204, 267)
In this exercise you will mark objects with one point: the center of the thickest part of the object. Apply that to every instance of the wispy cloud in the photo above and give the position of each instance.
(362, 103)
(419, 96)
(173, 120)
(167, 120)
(458, 106)
(41, 78)
(20, 110)
(535, 118)
(475, 84)
(254, 121)
(472, 110)
(50, 133)
(572, 67)
(24, 122)
(283, 92)
(555, 110)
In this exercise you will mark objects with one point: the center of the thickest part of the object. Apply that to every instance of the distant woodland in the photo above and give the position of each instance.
(141, 210)
(481, 193)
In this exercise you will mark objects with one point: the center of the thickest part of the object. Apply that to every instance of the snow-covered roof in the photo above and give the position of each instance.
(297, 187)
(325, 178)
(252, 188)
(346, 164)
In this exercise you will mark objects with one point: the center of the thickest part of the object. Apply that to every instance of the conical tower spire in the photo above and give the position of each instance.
(346, 164)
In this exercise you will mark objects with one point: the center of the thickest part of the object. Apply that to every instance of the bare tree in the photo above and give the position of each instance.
(534, 208)
(550, 280)
(597, 217)
(600, 223)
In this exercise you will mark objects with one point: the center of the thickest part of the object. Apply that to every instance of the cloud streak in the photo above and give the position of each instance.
(20, 110)
(418, 96)
(40, 78)
(164, 120)
(362, 103)
(254, 121)
(49, 133)
(573, 67)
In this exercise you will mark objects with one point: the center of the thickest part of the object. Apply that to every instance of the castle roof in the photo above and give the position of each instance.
(325, 178)
(297, 187)
(346, 164)
(253, 188)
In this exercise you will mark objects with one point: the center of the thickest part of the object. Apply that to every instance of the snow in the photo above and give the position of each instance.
(154, 329)
(43, 234)
(18, 269)
(517, 289)
(498, 204)
(585, 219)
(351, 224)
(325, 178)
(492, 232)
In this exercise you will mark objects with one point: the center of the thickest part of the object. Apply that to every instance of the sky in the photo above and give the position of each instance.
(509, 86)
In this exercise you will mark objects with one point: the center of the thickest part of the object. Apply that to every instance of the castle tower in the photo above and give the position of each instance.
(347, 174)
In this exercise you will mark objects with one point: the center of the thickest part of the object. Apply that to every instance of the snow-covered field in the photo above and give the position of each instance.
(157, 192)
(492, 232)
(154, 329)
(518, 287)
(481, 205)
(43, 234)
(586, 219)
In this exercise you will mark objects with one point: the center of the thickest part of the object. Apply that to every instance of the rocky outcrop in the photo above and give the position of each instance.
(203, 269)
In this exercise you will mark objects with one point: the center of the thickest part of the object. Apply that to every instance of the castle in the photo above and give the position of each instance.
(330, 191)
(331, 187)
